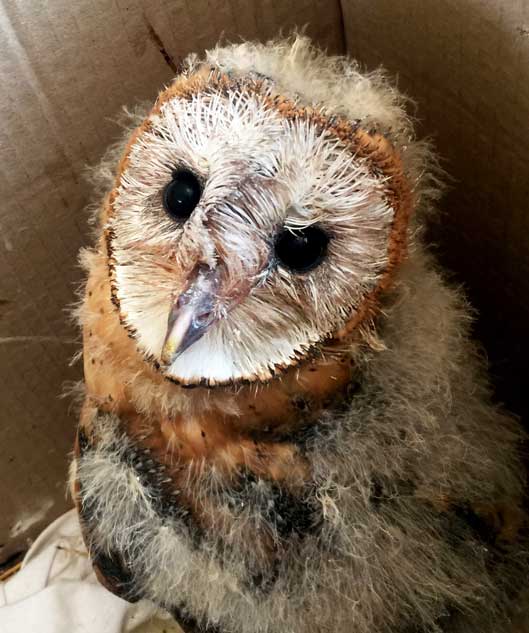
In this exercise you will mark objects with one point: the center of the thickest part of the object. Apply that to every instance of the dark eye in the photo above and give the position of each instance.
(182, 194)
(301, 249)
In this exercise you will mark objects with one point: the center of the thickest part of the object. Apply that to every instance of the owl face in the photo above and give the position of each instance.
(247, 230)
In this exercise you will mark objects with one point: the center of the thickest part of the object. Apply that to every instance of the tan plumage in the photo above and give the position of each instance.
(322, 454)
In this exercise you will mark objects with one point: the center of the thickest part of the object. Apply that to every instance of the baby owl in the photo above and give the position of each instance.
(285, 427)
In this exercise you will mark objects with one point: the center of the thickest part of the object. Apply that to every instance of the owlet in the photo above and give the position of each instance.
(286, 428)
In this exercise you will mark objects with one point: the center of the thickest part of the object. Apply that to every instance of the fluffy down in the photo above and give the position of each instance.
(397, 529)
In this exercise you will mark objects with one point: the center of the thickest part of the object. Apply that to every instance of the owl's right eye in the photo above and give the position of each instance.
(182, 194)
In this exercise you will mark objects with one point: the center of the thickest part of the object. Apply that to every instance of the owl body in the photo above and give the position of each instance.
(286, 427)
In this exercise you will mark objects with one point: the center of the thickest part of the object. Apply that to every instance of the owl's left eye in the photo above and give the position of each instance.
(301, 250)
(182, 194)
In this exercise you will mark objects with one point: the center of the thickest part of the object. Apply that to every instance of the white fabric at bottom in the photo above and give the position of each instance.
(56, 591)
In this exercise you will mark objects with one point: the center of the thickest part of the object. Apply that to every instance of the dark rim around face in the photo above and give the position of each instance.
(372, 146)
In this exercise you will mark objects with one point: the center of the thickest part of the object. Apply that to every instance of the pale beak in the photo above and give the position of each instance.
(192, 313)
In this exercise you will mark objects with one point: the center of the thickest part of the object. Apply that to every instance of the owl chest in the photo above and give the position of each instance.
(242, 499)
(216, 470)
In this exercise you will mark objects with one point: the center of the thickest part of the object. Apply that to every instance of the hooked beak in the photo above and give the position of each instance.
(192, 314)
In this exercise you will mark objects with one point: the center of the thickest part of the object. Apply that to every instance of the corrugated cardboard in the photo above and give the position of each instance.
(466, 64)
(66, 69)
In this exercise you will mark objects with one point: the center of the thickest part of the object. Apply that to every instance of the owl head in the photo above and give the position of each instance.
(260, 211)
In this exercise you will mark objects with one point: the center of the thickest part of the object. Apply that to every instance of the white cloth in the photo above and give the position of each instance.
(56, 591)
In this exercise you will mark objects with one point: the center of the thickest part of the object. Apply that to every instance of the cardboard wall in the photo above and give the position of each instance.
(466, 64)
(66, 69)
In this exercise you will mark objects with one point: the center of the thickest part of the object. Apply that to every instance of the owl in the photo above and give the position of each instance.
(286, 427)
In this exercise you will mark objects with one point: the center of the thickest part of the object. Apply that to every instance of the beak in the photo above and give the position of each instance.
(192, 314)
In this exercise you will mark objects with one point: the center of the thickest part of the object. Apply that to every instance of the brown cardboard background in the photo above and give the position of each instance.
(466, 64)
(66, 68)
